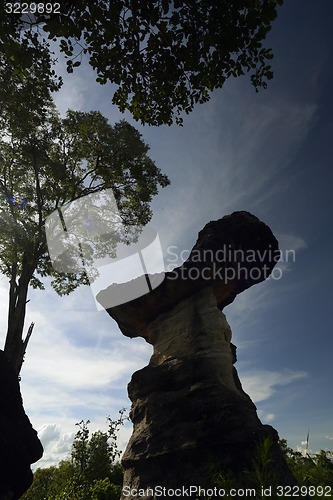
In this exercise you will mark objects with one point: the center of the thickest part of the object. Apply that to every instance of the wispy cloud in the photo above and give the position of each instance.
(290, 245)
(262, 384)
(80, 91)
(237, 165)
(49, 433)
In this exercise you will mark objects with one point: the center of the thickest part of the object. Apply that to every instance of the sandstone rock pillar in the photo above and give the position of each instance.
(189, 410)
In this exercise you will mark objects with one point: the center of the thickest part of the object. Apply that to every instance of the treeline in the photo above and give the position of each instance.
(313, 474)
(91, 472)
(311, 470)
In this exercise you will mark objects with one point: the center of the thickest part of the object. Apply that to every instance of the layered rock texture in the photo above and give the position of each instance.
(189, 410)
(19, 443)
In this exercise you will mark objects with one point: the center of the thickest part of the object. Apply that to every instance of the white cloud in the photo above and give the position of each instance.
(261, 384)
(55, 360)
(69, 373)
(265, 417)
(48, 433)
(289, 242)
(304, 451)
(4, 303)
(80, 91)
(72, 93)
(58, 447)
(56, 443)
(63, 445)
(290, 245)
(55, 453)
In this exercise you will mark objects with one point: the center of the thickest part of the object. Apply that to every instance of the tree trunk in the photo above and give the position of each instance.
(15, 346)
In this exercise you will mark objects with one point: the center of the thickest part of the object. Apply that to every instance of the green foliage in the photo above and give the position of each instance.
(67, 481)
(91, 472)
(314, 473)
(48, 161)
(103, 489)
(93, 456)
(164, 56)
(262, 472)
(314, 470)
(80, 451)
(58, 160)
(260, 475)
(222, 479)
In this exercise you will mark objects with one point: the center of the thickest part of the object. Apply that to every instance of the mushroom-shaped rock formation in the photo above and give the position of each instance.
(189, 410)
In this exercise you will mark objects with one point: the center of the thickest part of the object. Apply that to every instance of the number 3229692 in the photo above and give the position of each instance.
(32, 8)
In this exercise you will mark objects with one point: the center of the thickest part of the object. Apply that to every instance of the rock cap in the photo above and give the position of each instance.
(230, 255)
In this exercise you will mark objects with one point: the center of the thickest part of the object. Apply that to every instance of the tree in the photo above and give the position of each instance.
(310, 470)
(164, 55)
(90, 473)
(94, 456)
(42, 483)
(46, 162)
(63, 483)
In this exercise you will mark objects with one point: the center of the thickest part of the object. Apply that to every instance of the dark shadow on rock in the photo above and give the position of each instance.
(19, 443)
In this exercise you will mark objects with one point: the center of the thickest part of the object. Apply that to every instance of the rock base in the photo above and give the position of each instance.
(191, 416)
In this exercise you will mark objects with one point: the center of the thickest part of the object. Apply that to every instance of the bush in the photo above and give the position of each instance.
(90, 473)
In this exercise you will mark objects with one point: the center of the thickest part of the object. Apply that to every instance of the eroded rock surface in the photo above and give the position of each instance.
(188, 407)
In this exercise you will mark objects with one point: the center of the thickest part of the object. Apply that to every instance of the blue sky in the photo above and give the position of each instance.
(268, 153)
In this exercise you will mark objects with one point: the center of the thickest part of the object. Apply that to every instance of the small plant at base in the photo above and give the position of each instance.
(262, 473)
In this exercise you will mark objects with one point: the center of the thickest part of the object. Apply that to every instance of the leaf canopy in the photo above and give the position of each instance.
(47, 161)
(165, 56)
